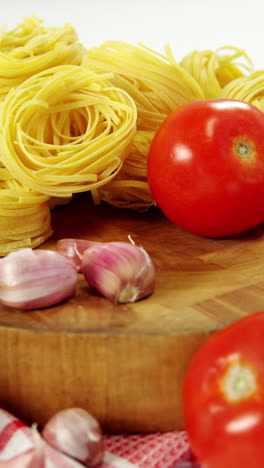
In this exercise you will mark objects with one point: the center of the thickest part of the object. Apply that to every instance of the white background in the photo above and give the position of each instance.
(186, 24)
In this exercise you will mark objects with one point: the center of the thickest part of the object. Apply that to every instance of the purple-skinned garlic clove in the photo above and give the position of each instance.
(73, 249)
(120, 271)
(77, 434)
(31, 279)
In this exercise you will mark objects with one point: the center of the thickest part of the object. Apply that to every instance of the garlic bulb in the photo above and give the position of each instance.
(34, 279)
(77, 434)
(120, 271)
(74, 249)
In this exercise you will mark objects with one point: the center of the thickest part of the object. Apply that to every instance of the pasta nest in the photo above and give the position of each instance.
(213, 70)
(248, 88)
(66, 130)
(24, 216)
(30, 48)
(158, 85)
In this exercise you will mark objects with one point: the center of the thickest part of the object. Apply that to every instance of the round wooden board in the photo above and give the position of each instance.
(125, 363)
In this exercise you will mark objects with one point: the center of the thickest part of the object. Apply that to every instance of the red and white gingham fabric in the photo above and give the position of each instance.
(121, 451)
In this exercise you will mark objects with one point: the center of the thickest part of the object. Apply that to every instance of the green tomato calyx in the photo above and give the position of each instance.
(238, 383)
(244, 148)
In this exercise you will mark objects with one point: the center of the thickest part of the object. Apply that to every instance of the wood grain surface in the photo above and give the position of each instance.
(125, 363)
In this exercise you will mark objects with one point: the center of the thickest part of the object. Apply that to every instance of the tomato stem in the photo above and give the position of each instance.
(238, 383)
(244, 149)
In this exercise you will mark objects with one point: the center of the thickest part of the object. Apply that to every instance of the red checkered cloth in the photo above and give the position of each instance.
(121, 451)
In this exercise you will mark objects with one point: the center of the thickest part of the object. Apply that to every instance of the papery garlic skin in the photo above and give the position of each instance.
(73, 249)
(77, 434)
(35, 279)
(120, 271)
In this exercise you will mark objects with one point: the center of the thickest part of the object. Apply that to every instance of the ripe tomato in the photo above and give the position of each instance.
(223, 397)
(206, 167)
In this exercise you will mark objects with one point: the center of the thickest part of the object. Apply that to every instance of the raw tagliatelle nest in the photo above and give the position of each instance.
(31, 47)
(158, 84)
(213, 70)
(66, 130)
(24, 51)
(74, 119)
(247, 88)
(24, 216)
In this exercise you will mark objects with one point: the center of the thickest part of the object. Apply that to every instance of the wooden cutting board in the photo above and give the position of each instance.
(125, 363)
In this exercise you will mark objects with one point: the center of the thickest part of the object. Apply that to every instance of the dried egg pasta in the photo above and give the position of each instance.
(31, 48)
(249, 88)
(66, 130)
(213, 71)
(24, 217)
(130, 189)
(158, 85)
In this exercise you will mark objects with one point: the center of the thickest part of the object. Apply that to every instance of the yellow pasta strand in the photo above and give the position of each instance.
(213, 71)
(156, 82)
(31, 48)
(158, 85)
(249, 89)
(129, 189)
(24, 217)
(66, 130)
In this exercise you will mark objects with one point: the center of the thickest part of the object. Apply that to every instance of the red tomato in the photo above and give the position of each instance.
(206, 167)
(223, 397)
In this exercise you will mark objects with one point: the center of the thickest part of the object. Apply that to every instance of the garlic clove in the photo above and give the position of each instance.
(120, 271)
(35, 279)
(73, 249)
(77, 434)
